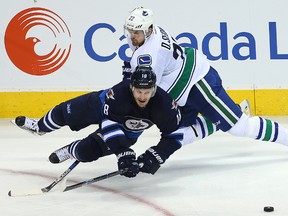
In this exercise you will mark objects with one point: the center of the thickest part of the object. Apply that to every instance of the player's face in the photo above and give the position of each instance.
(137, 37)
(142, 96)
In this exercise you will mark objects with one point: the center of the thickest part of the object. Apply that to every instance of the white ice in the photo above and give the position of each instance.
(219, 176)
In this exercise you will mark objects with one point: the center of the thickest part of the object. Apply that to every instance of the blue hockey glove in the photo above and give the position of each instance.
(126, 70)
(150, 161)
(127, 161)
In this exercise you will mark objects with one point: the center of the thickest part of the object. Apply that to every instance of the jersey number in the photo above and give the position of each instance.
(176, 50)
(105, 109)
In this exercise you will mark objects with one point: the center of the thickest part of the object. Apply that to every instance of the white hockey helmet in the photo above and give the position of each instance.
(139, 19)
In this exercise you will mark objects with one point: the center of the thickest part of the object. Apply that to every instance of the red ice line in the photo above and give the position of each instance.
(113, 191)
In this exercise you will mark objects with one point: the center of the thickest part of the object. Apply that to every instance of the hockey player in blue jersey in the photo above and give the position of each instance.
(128, 109)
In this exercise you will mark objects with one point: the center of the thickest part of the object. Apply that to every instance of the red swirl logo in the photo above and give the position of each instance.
(27, 51)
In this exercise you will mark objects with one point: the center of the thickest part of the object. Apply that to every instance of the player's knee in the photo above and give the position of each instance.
(57, 115)
(241, 128)
(88, 149)
(190, 135)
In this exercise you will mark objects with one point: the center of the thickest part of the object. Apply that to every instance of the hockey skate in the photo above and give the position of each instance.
(245, 107)
(60, 155)
(28, 124)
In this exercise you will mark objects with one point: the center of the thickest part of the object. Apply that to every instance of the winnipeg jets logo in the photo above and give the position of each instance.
(137, 124)
(174, 105)
(110, 94)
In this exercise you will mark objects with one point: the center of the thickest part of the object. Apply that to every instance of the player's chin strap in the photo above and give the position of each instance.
(154, 90)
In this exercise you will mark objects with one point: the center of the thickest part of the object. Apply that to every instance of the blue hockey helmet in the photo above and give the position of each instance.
(143, 77)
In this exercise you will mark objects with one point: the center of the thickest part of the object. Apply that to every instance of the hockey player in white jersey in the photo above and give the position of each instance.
(188, 77)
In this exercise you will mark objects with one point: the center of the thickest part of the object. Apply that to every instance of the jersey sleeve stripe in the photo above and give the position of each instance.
(186, 75)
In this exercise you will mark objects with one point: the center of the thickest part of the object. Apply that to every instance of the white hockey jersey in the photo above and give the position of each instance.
(177, 69)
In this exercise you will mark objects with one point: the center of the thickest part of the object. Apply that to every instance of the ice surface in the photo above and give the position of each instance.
(219, 176)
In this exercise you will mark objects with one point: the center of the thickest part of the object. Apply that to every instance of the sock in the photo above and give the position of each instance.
(52, 120)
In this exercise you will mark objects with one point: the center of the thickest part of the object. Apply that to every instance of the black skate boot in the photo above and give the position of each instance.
(28, 124)
(60, 155)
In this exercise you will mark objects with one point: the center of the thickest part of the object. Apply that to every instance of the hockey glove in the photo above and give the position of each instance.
(126, 70)
(150, 161)
(127, 162)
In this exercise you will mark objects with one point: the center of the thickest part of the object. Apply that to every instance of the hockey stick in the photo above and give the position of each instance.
(93, 180)
(15, 193)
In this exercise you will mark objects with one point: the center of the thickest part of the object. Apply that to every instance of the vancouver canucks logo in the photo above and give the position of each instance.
(144, 60)
(137, 124)
(145, 13)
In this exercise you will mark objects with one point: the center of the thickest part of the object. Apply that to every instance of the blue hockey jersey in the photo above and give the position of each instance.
(124, 120)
